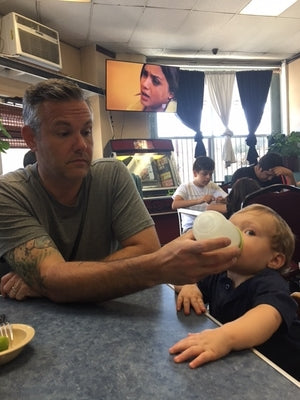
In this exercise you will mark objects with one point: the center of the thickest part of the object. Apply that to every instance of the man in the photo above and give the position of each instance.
(268, 171)
(63, 218)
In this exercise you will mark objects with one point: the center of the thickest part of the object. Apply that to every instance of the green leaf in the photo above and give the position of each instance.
(4, 145)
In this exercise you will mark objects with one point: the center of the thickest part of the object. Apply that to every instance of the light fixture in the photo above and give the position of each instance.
(78, 1)
(271, 8)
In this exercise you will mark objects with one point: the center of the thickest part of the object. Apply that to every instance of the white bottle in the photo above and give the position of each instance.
(212, 224)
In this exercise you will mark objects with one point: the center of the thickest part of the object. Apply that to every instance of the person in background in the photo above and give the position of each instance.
(252, 300)
(159, 86)
(199, 193)
(73, 230)
(268, 171)
(296, 297)
(240, 189)
(29, 158)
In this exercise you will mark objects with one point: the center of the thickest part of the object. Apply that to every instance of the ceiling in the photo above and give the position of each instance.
(174, 31)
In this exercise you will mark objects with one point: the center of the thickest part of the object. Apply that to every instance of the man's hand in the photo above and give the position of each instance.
(186, 260)
(14, 287)
(287, 173)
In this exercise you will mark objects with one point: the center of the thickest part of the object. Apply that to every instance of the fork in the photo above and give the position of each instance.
(5, 327)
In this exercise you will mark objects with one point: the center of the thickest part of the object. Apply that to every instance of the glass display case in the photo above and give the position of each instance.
(151, 159)
(153, 162)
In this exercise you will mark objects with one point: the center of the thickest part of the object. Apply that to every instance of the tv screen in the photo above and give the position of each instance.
(132, 86)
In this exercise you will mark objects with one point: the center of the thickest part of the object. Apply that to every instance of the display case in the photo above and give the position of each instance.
(152, 161)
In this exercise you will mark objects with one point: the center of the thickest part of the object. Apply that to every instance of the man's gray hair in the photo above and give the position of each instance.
(55, 90)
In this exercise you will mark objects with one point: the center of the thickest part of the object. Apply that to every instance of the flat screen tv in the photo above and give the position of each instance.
(132, 86)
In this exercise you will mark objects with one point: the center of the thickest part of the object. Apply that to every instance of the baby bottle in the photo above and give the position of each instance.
(212, 224)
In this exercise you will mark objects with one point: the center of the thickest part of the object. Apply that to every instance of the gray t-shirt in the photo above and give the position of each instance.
(114, 211)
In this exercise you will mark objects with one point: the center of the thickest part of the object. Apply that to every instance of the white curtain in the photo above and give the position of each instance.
(220, 87)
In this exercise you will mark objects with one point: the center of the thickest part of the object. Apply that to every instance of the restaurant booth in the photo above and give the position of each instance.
(151, 161)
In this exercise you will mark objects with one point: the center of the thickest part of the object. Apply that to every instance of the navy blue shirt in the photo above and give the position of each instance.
(248, 172)
(227, 303)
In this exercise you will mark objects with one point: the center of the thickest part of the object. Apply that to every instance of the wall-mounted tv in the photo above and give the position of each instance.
(132, 86)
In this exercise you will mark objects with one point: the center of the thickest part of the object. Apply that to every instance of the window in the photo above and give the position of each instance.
(11, 116)
(170, 126)
(12, 159)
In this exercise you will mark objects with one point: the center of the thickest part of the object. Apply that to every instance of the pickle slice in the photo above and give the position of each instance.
(4, 342)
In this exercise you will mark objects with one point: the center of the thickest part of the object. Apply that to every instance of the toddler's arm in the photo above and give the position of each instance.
(252, 329)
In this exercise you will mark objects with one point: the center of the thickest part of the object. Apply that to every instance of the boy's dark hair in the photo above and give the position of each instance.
(270, 160)
(203, 163)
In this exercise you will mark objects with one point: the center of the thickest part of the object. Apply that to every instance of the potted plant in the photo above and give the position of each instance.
(3, 132)
(288, 146)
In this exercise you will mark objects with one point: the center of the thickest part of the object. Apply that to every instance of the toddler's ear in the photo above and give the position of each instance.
(277, 261)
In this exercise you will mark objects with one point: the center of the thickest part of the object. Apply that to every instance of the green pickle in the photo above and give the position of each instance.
(4, 342)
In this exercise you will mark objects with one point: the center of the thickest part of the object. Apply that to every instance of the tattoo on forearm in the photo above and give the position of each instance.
(25, 259)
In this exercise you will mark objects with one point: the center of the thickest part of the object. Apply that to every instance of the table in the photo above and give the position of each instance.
(118, 350)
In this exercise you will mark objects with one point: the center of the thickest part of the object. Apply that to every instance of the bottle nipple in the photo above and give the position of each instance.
(212, 224)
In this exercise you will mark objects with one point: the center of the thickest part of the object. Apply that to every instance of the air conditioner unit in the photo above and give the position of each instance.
(30, 41)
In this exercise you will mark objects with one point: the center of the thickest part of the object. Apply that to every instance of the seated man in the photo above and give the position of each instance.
(76, 230)
(268, 171)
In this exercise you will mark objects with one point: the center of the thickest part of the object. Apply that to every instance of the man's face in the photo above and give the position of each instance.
(64, 145)
(264, 176)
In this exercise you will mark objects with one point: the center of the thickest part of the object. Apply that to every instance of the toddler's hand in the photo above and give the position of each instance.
(202, 347)
(190, 296)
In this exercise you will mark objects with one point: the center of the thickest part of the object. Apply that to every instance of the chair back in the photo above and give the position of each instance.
(285, 200)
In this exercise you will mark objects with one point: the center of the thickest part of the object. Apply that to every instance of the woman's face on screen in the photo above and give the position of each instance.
(155, 92)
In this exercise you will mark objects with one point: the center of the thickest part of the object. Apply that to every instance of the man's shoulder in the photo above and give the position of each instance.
(107, 163)
(107, 169)
(245, 169)
(243, 172)
(17, 177)
(104, 161)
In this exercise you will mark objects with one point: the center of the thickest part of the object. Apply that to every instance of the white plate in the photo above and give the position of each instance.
(23, 334)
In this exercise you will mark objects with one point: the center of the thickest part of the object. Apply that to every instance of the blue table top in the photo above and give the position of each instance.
(119, 350)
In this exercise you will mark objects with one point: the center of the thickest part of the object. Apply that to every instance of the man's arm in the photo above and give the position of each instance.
(287, 173)
(144, 242)
(43, 268)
